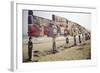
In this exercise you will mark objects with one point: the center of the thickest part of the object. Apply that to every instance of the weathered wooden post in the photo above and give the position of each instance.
(79, 38)
(30, 43)
(79, 34)
(74, 40)
(36, 56)
(66, 34)
(54, 45)
(32, 32)
(54, 33)
(73, 31)
(54, 38)
(74, 35)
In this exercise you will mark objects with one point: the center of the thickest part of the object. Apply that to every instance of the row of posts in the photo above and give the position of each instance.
(54, 50)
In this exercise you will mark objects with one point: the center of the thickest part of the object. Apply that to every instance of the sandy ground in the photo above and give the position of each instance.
(73, 53)
(79, 52)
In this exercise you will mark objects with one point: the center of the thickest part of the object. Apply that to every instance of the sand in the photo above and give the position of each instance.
(78, 52)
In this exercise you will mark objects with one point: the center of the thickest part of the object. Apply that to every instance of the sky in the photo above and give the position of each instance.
(84, 19)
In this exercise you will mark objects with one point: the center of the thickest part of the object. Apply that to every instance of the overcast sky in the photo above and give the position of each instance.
(83, 19)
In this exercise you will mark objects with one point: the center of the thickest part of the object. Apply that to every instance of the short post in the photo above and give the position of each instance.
(36, 56)
(67, 40)
(74, 40)
(54, 45)
(79, 38)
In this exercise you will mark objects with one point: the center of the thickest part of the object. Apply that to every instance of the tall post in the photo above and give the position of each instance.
(54, 35)
(30, 22)
(74, 40)
(30, 43)
(79, 38)
(66, 34)
(74, 35)
(54, 39)
(54, 45)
